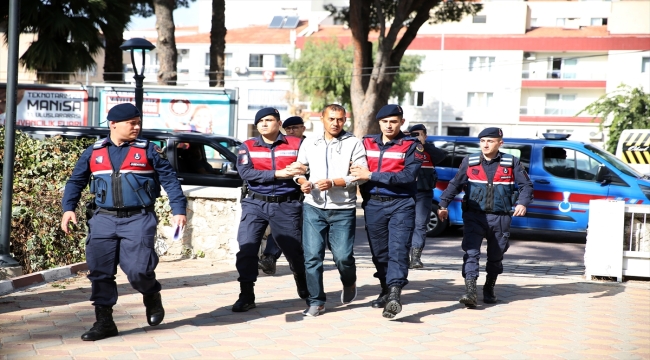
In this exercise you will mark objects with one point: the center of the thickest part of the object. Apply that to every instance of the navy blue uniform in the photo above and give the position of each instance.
(271, 201)
(388, 201)
(427, 178)
(491, 225)
(128, 240)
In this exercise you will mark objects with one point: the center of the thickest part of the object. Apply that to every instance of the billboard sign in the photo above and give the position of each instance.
(48, 107)
(207, 112)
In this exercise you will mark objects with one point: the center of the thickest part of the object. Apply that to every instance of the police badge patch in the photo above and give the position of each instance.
(99, 160)
(136, 156)
(475, 171)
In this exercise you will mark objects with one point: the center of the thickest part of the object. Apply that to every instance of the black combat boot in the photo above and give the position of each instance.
(246, 299)
(380, 302)
(267, 264)
(393, 305)
(415, 262)
(469, 299)
(155, 311)
(488, 290)
(104, 327)
(301, 285)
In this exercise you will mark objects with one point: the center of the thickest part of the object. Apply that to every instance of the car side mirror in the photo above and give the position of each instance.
(228, 169)
(604, 175)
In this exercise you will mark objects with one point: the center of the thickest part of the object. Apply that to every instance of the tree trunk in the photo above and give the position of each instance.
(113, 66)
(166, 45)
(217, 43)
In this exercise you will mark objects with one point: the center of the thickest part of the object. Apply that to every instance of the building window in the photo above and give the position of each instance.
(416, 98)
(533, 22)
(479, 99)
(645, 64)
(479, 19)
(561, 68)
(598, 21)
(560, 21)
(255, 60)
(560, 104)
(207, 59)
(481, 63)
(259, 99)
(281, 61)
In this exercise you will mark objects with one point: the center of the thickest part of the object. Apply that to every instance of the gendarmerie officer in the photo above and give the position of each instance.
(489, 179)
(293, 126)
(388, 200)
(427, 178)
(266, 163)
(125, 174)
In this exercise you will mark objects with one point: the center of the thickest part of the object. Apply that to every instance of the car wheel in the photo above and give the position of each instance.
(435, 227)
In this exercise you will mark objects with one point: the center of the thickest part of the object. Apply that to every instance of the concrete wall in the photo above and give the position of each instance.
(630, 17)
(546, 12)
(624, 67)
(213, 216)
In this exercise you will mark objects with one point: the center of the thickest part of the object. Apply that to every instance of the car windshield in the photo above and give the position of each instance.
(616, 162)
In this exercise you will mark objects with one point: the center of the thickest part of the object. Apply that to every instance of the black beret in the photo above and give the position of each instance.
(389, 110)
(491, 132)
(122, 112)
(294, 120)
(417, 127)
(265, 112)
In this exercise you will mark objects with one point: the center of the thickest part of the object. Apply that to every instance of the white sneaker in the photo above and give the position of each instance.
(314, 310)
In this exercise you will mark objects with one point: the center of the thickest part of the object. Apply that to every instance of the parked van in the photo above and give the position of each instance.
(565, 174)
(634, 149)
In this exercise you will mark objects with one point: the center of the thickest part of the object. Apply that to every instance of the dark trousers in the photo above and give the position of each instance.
(496, 229)
(128, 242)
(285, 219)
(390, 227)
(423, 204)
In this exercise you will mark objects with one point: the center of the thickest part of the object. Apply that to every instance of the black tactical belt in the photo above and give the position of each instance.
(126, 212)
(383, 198)
(276, 198)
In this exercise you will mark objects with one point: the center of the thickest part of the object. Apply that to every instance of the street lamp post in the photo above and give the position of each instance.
(142, 45)
(442, 65)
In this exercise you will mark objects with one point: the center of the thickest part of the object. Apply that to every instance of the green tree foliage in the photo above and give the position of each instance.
(324, 72)
(41, 171)
(626, 107)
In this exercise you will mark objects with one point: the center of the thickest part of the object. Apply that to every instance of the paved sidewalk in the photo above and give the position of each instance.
(538, 316)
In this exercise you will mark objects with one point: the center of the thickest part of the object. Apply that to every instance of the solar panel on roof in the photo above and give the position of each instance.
(276, 23)
(291, 23)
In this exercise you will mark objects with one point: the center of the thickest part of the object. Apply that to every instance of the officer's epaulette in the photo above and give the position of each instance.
(506, 160)
(474, 159)
(141, 143)
(100, 143)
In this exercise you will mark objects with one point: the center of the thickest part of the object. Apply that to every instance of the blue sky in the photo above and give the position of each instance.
(182, 17)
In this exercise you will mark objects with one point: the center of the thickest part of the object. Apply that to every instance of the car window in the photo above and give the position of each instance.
(463, 149)
(569, 164)
(199, 158)
(447, 146)
(520, 151)
(233, 146)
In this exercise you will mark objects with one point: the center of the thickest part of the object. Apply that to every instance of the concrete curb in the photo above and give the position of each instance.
(41, 277)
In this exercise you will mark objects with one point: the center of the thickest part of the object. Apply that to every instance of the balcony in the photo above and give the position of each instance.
(563, 79)
(557, 114)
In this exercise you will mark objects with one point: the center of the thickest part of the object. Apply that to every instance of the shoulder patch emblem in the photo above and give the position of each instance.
(157, 149)
(419, 148)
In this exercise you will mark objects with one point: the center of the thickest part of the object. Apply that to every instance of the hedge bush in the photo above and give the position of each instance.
(41, 170)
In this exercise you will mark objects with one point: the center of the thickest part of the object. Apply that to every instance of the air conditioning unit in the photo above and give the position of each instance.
(184, 51)
(596, 135)
(529, 55)
(240, 70)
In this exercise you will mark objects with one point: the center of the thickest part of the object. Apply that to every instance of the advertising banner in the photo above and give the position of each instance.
(182, 111)
(48, 107)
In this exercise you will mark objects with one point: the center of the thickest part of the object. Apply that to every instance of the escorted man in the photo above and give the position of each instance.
(489, 179)
(266, 163)
(293, 126)
(125, 174)
(427, 179)
(330, 207)
(388, 200)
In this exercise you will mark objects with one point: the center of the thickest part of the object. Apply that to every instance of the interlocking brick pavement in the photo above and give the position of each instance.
(537, 316)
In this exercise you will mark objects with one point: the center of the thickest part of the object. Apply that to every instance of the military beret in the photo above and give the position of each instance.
(418, 127)
(122, 112)
(389, 110)
(294, 120)
(265, 112)
(491, 132)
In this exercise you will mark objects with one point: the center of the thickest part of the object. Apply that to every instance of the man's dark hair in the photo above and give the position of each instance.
(333, 107)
